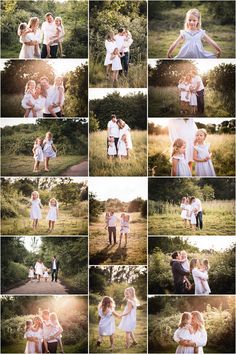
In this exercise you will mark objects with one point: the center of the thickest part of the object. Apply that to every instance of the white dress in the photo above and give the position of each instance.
(52, 213)
(126, 131)
(188, 212)
(184, 211)
(122, 148)
(48, 150)
(184, 334)
(38, 153)
(184, 91)
(205, 284)
(124, 226)
(186, 265)
(184, 129)
(204, 168)
(193, 219)
(45, 274)
(110, 47)
(28, 51)
(198, 278)
(116, 63)
(39, 104)
(200, 338)
(31, 273)
(193, 99)
(55, 95)
(111, 149)
(35, 212)
(183, 169)
(192, 47)
(128, 322)
(39, 268)
(30, 346)
(106, 325)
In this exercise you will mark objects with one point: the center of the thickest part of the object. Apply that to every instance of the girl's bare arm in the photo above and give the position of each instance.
(174, 45)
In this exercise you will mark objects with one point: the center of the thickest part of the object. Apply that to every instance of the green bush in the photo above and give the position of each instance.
(14, 273)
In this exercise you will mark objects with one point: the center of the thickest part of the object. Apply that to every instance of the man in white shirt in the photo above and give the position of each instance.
(198, 84)
(113, 130)
(49, 30)
(44, 81)
(112, 221)
(54, 268)
(198, 205)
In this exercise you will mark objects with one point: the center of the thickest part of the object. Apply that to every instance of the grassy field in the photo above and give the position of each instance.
(65, 225)
(119, 339)
(100, 165)
(164, 102)
(218, 219)
(222, 148)
(134, 253)
(20, 348)
(137, 76)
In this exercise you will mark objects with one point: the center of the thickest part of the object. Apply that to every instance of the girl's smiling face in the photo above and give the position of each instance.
(34, 196)
(192, 22)
(31, 85)
(182, 149)
(200, 136)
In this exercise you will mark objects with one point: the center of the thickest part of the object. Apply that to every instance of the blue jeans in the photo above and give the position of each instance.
(199, 220)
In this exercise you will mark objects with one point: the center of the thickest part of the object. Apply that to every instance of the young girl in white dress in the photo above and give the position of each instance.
(184, 88)
(111, 147)
(188, 212)
(45, 274)
(38, 153)
(122, 147)
(26, 34)
(107, 314)
(35, 212)
(116, 64)
(184, 332)
(180, 166)
(52, 215)
(32, 344)
(124, 227)
(193, 219)
(193, 35)
(31, 274)
(186, 265)
(184, 210)
(128, 321)
(58, 96)
(110, 45)
(205, 268)
(202, 156)
(49, 149)
(29, 97)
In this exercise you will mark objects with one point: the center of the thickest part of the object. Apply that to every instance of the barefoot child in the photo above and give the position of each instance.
(58, 38)
(58, 96)
(116, 64)
(186, 265)
(56, 330)
(49, 149)
(180, 165)
(193, 36)
(32, 345)
(202, 155)
(28, 99)
(24, 33)
(46, 275)
(205, 268)
(184, 332)
(38, 154)
(124, 229)
(35, 212)
(123, 147)
(128, 321)
(183, 207)
(52, 215)
(111, 147)
(31, 274)
(107, 215)
(106, 327)
(184, 87)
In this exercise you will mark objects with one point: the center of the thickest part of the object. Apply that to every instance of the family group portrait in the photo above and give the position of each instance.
(44, 324)
(117, 220)
(117, 43)
(44, 265)
(191, 30)
(189, 207)
(191, 265)
(118, 136)
(190, 324)
(189, 88)
(44, 88)
(44, 147)
(44, 206)
(44, 29)
(185, 147)
(118, 309)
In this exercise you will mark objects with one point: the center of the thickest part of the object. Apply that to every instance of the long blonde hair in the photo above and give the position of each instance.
(196, 13)
(184, 318)
(199, 319)
(28, 83)
(32, 22)
(131, 290)
(178, 143)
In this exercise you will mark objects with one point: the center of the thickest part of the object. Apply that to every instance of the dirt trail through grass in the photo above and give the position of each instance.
(41, 287)
(77, 170)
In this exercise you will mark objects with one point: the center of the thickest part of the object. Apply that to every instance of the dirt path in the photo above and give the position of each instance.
(42, 287)
(77, 170)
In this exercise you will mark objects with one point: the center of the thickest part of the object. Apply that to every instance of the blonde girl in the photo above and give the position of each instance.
(57, 329)
(107, 216)
(128, 321)
(184, 210)
(29, 96)
(184, 332)
(58, 96)
(123, 147)
(60, 33)
(193, 36)
(49, 150)
(106, 327)
(52, 215)
(180, 165)
(124, 227)
(35, 212)
(32, 344)
(116, 64)
(184, 88)
(205, 267)
(111, 147)
(202, 155)
(38, 153)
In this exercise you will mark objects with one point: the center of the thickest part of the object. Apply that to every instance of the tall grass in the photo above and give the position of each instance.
(222, 148)
(100, 165)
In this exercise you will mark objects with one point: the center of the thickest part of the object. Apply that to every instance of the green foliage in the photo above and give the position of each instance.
(96, 207)
(93, 123)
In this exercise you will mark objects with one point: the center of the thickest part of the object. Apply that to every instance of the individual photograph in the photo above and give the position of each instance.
(118, 309)
(191, 265)
(44, 206)
(44, 147)
(191, 206)
(191, 30)
(36, 324)
(44, 265)
(189, 88)
(118, 43)
(44, 29)
(118, 220)
(118, 132)
(44, 88)
(198, 147)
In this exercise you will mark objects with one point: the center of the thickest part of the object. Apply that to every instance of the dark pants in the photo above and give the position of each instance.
(179, 288)
(53, 51)
(46, 115)
(54, 274)
(52, 347)
(200, 101)
(112, 231)
(125, 62)
(199, 220)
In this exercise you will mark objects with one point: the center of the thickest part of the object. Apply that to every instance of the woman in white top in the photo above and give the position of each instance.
(38, 103)
(198, 276)
(110, 45)
(30, 41)
(39, 269)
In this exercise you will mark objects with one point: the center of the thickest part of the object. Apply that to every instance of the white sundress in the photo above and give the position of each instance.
(116, 63)
(204, 168)
(182, 166)
(188, 212)
(30, 346)
(184, 334)
(128, 322)
(122, 148)
(106, 325)
(193, 219)
(39, 268)
(193, 99)
(124, 226)
(48, 150)
(111, 149)
(35, 212)
(38, 153)
(110, 46)
(52, 213)
(28, 51)
(193, 47)
(31, 273)
(126, 131)
(184, 211)
(184, 92)
(207, 289)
